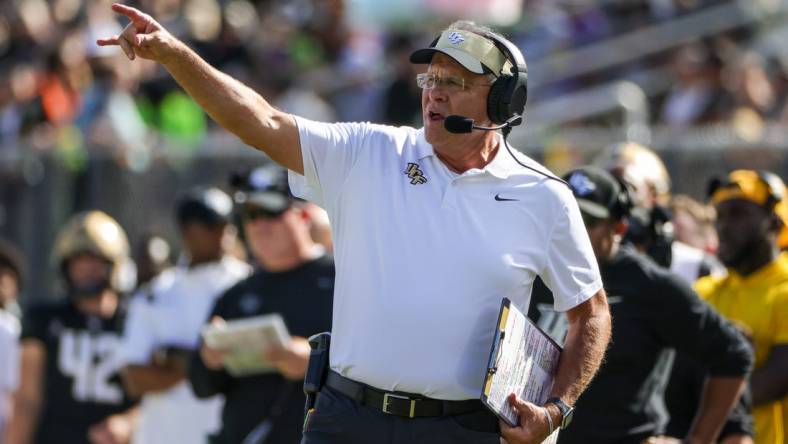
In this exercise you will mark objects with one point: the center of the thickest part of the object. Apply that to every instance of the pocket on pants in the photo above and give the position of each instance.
(330, 407)
(477, 427)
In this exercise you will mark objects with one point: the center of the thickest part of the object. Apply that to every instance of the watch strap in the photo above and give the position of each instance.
(566, 411)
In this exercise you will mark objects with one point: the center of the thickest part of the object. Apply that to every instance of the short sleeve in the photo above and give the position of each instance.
(780, 316)
(34, 324)
(138, 340)
(571, 271)
(329, 151)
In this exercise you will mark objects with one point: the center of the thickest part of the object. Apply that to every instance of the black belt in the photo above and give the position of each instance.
(397, 403)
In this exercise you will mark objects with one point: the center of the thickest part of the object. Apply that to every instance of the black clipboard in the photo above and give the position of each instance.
(495, 351)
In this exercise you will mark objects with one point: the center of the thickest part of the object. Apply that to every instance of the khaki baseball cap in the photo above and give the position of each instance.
(477, 54)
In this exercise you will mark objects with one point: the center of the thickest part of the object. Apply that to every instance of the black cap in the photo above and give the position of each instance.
(207, 206)
(598, 193)
(265, 188)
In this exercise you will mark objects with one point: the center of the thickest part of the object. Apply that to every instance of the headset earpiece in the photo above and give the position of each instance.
(498, 92)
(509, 92)
(624, 200)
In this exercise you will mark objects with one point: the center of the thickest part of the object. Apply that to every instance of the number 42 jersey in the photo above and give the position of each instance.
(81, 383)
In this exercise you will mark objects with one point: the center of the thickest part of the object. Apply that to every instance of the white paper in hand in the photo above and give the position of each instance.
(245, 341)
(523, 361)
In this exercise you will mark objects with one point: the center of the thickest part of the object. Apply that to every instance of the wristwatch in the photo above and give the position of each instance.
(566, 411)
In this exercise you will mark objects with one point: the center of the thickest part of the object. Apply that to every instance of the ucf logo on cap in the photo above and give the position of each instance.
(455, 38)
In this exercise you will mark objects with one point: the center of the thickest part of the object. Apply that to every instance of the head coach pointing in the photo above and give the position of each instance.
(431, 230)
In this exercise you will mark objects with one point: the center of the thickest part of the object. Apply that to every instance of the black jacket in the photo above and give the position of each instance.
(303, 296)
(652, 309)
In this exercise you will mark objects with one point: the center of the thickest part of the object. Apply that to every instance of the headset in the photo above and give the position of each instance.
(624, 201)
(509, 92)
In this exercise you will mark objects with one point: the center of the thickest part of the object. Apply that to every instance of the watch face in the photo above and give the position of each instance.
(568, 417)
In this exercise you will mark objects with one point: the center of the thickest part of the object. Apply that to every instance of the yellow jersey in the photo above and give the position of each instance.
(759, 304)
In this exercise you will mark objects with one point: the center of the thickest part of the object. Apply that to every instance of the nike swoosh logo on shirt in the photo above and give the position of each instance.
(503, 199)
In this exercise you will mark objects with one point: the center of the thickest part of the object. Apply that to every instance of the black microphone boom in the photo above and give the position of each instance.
(458, 124)
(462, 125)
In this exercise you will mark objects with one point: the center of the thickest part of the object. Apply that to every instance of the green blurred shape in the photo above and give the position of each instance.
(305, 51)
(182, 119)
(70, 148)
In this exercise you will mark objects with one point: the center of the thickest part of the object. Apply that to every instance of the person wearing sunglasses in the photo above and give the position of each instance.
(295, 278)
(652, 309)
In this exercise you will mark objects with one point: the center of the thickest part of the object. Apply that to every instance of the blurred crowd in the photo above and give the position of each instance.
(60, 92)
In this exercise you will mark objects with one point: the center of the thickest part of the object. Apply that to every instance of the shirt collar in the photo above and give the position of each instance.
(777, 267)
(501, 166)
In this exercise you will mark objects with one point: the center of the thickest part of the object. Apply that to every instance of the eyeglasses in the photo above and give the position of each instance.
(451, 84)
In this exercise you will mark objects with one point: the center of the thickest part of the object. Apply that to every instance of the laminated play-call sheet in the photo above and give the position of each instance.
(523, 360)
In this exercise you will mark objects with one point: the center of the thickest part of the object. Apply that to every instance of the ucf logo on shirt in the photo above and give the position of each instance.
(415, 174)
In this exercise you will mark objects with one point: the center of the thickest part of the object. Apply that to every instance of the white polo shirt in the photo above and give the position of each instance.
(424, 256)
(9, 363)
(172, 314)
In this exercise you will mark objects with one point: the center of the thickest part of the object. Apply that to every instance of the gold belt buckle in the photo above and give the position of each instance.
(386, 402)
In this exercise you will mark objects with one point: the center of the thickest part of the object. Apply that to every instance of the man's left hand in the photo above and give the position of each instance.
(291, 360)
(533, 428)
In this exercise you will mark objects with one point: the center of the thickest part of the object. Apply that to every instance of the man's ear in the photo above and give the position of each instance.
(775, 223)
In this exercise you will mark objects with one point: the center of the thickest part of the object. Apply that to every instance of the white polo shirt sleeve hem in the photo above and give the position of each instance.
(305, 186)
(583, 295)
(328, 152)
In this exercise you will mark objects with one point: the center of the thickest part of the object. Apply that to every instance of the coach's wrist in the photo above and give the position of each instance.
(555, 415)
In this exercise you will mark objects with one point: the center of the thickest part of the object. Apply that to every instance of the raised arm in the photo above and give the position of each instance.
(229, 102)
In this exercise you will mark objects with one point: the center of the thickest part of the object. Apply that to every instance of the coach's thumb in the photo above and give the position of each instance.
(518, 404)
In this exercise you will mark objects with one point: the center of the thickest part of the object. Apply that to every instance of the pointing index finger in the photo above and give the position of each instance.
(137, 16)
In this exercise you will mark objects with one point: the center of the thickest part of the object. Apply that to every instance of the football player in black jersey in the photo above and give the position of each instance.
(70, 386)
(294, 278)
